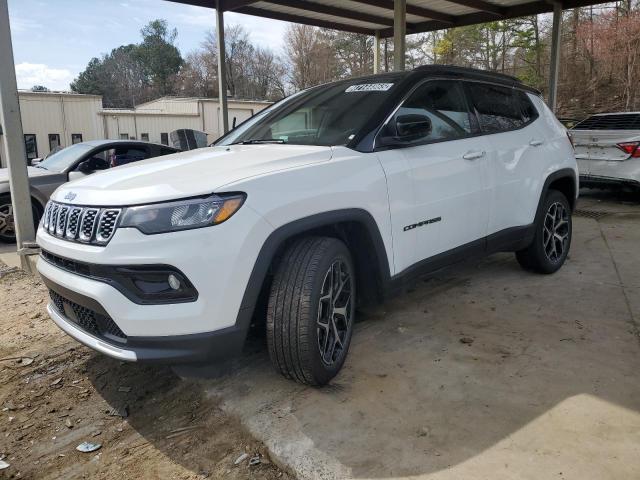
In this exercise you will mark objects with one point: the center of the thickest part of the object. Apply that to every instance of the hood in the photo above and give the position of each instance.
(196, 172)
(31, 172)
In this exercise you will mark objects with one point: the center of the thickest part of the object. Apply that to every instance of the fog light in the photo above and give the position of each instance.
(173, 282)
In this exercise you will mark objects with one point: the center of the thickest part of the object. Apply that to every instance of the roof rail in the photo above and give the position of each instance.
(454, 69)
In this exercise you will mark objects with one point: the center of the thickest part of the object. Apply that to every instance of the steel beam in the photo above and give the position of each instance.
(376, 52)
(222, 70)
(554, 63)
(399, 34)
(13, 141)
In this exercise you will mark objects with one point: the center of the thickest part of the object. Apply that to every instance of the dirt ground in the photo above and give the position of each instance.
(56, 394)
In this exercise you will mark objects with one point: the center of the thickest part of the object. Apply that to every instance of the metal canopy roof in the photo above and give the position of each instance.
(371, 16)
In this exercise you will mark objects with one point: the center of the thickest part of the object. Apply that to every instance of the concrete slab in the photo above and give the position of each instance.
(548, 388)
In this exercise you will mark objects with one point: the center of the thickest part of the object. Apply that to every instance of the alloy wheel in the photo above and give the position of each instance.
(555, 234)
(334, 312)
(7, 227)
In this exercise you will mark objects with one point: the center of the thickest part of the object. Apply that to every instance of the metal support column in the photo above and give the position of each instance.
(376, 53)
(554, 64)
(222, 69)
(13, 141)
(399, 33)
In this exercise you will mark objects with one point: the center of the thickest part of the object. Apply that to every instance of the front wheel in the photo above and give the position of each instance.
(550, 246)
(311, 310)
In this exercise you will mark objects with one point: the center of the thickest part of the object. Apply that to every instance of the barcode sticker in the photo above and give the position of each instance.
(369, 87)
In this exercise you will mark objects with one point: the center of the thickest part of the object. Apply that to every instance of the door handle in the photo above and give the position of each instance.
(473, 155)
(536, 143)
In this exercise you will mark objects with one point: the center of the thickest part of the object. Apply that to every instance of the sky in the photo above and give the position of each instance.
(54, 40)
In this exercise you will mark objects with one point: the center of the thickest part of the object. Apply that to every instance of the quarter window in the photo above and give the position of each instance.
(443, 102)
(31, 146)
(498, 107)
(529, 112)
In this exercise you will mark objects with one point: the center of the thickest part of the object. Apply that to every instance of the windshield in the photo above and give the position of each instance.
(60, 161)
(325, 116)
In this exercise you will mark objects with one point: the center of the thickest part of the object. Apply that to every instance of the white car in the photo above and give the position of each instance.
(329, 199)
(608, 149)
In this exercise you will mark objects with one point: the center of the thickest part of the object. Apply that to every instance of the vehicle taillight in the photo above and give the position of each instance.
(630, 148)
(570, 139)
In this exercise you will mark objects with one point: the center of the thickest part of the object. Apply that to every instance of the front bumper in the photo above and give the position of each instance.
(217, 260)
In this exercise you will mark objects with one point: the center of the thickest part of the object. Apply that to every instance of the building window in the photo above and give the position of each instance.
(164, 138)
(31, 146)
(76, 138)
(54, 141)
(124, 136)
(144, 137)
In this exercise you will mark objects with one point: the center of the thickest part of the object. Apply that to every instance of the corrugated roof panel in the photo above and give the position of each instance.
(319, 16)
(510, 3)
(443, 6)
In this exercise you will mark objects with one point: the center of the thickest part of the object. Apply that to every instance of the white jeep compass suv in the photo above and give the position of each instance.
(327, 200)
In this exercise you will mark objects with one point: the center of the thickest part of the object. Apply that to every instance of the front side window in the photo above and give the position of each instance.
(443, 103)
(498, 107)
(328, 115)
(31, 146)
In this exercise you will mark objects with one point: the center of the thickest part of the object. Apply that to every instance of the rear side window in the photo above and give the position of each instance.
(444, 103)
(499, 108)
(620, 121)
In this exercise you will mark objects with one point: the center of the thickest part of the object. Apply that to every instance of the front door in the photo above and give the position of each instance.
(445, 184)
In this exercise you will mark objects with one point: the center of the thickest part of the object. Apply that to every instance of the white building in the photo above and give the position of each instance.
(50, 119)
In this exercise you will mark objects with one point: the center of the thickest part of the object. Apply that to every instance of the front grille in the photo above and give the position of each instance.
(107, 225)
(87, 319)
(81, 224)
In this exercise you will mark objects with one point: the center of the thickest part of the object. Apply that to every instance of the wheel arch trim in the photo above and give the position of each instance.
(280, 235)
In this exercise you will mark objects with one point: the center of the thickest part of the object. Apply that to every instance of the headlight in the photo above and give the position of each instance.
(182, 214)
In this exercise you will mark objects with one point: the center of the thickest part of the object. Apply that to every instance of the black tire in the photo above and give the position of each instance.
(7, 233)
(552, 240)
(298, 307)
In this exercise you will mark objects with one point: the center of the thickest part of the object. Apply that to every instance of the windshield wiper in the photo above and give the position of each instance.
(254, 141)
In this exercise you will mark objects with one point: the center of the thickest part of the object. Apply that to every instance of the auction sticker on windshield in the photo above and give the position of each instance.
(369, 87)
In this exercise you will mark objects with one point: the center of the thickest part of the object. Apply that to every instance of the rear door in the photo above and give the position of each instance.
(516, 153)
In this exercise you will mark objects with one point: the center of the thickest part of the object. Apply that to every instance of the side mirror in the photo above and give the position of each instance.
(406, 129)
(413, 126)
(93, 164)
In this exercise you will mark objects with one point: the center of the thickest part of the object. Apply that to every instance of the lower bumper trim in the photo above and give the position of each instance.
(173, 349)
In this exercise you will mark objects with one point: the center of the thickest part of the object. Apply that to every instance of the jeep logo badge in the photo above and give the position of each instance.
(70, 196)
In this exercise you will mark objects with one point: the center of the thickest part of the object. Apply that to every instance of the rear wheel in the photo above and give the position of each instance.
(550, 246)
(311, 310)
